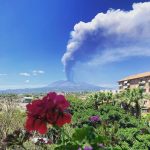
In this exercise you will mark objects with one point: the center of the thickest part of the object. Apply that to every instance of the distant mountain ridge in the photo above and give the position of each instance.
(58, 86)
(67, 84)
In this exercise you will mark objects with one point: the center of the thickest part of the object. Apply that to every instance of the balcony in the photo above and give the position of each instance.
(125, 82)
(126, 87)
(142, 83)
(141, 86)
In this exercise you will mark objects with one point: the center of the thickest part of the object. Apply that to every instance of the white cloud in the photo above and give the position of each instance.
(3, 74)
(111, 36)
(108, 85)
(25, 74)
(37, 72)
(33, 73)
(21, 86)
(41, 71)
(27, 81)
(109, 56)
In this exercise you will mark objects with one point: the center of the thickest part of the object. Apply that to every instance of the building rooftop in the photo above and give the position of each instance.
(136, 76)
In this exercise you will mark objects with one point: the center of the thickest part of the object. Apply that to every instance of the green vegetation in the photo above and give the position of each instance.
(120, 124)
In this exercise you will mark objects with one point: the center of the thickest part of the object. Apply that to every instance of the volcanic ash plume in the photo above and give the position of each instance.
(109, 37)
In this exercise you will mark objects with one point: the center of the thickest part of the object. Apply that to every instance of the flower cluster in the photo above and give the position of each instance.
(101, 145)
(94, 119)
(86, 148)
(51, 109)
(91, 148)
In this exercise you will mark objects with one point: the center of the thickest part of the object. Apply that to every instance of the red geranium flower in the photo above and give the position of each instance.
(52, 109)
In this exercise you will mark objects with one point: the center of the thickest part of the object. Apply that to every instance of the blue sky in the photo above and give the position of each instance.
(34, 36)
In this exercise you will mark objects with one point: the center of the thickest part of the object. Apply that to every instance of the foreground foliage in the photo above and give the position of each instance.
(102, 121)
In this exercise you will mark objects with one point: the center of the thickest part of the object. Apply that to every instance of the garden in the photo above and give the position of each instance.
(102, 121)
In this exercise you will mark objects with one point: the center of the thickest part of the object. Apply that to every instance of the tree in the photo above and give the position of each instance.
(101, 97)
(109, 96)
(133, 96)
(137, 95)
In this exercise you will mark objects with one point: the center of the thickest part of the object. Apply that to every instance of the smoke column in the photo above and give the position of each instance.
(109, 37)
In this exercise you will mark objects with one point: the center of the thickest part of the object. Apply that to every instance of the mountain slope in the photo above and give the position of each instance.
(65, 85)
(62, 85)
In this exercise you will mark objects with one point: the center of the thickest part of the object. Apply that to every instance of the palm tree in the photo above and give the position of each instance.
(109, 96)
(101, 97)
(117, 98)
(96, 101)
(126, 100)
(137, 95)
(94, 98)
(133, 96)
